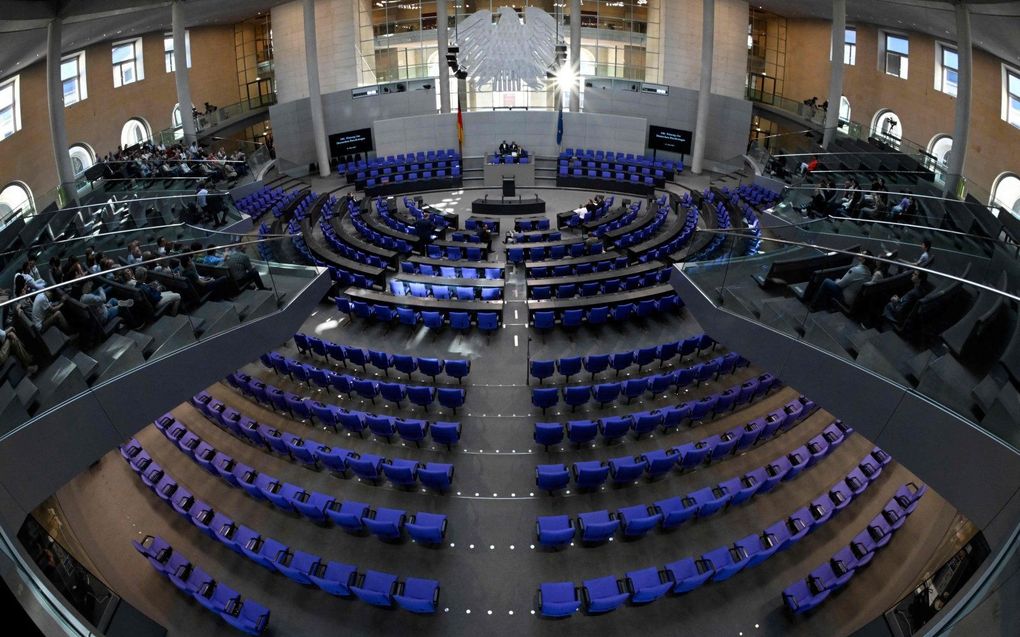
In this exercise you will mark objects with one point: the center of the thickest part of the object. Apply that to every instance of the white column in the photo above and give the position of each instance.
(575, 55)
(836, 76)
(314, 91)
(181, 71)
(55, 97)
(961, 132)
(705, 92)
(443, 36)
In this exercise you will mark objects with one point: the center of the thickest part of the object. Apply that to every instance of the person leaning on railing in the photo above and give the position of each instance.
(10, 344)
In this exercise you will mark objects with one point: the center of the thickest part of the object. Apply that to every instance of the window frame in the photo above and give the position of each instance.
(14, 84)
(849, 48)
(941, 69)
(1010, 116)
(885, 52)
(137, 63)
(80, 78)
(168, 53)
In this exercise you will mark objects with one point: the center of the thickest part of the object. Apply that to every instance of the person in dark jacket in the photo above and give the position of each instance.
(898, 307)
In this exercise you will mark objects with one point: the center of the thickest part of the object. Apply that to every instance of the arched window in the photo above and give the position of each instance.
(886, 127)
(82, 158)
(135, 131)
(939, 148)
(15, 200)
(844, 114)
(175, 117)
(587, 61)
(1006, 192)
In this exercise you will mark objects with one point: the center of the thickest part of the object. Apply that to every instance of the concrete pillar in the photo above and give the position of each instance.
(55, 97)
(705, 92)
(836, 75)
(575, 55)
(443, 36)
(181, 72)
(314, 91)
(961, 132)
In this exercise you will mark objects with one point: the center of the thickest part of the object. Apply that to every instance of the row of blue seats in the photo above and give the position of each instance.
(613, 428)
(394, 392)
(656, 385)
(579, 248)
(608, 155)
(826, 579)
(628, 218)
(265, 250)
(754, 194)
(546, 319)
(637, 520)
(342, 247)
(302, 407)
(244, 614)
(310, 453)
(610, 262)
(406, 168)
(671, 417)
(421, 155)
(645, 232)
(607, 286)
(318, 507)
(537, 236)
(486, 321)
(379, 239)
(263, 200)
(614, 166)
(604, 594)
(594, 473)
(444, 292)
(528, 225)
(336, 578)
(451, 271)
(426, 175)
(300, 210)
(663, 252)
(455, 253)
(620, 361)
(308, 345)
(344, 278)
(625, 177)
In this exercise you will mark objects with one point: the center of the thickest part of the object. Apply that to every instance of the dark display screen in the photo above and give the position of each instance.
(673, 140)
(355, 141)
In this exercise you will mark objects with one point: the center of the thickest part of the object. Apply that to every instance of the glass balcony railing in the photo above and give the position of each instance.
(74, 327)
(948, 331)
(859, 132)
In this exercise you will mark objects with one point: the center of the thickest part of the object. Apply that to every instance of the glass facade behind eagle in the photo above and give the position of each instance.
(619, 38)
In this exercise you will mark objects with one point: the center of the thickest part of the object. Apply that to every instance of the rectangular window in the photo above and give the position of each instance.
(1011, 97)
(10, 107)
(947, 70)
(897, 51)
(72, 77)
(850, 48)
(127, 62)
(168, 50)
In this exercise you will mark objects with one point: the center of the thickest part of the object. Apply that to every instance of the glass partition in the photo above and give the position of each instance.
(947, 330)
(84, 311)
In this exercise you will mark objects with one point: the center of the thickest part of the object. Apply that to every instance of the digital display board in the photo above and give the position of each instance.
(673, 140)
(350, 142)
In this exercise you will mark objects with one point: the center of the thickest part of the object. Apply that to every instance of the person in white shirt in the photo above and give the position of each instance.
(845, 289)
(203, 192)
(925, 257)
(46, 313)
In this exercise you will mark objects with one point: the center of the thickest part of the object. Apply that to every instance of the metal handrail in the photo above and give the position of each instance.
(919, 227)
(119, 268)
(803, 244)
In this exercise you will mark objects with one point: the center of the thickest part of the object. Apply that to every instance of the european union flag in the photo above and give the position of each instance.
(559, 128)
